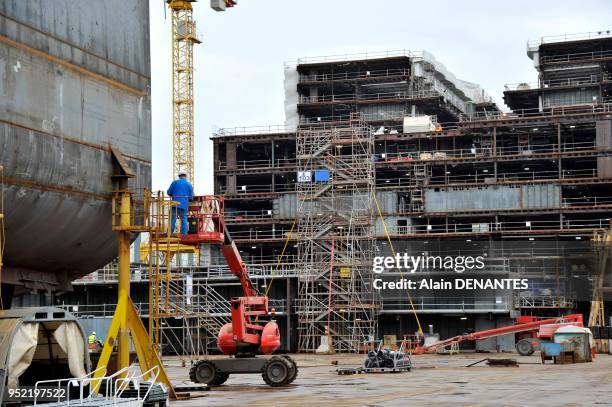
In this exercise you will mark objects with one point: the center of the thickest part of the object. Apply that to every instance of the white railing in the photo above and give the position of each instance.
(479, 152)
(553, 83)
(569, 37)
(454, 304)
(355, 57)
(384, 73)
(254, 188)
(576, 56)
(543, 301)
(581, 226)
(349, 97)
(489, 177)
(254, 130)
(101, 310)
(264, 163)
(70, 382)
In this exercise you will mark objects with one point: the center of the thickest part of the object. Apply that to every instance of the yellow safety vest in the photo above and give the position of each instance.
(92, 339)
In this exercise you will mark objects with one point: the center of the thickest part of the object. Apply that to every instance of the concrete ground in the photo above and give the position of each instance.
(436, 380)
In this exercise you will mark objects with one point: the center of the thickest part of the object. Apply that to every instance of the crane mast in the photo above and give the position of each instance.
(184, 36)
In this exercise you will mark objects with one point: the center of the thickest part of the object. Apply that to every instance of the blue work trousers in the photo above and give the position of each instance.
(176, 211)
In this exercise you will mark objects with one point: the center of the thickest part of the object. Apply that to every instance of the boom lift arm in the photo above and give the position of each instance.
(245, 335)
(524, 324)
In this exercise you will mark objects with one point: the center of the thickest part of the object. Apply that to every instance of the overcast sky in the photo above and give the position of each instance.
(239, 65)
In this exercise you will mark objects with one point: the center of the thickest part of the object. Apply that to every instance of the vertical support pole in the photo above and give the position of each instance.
(288, 314)
(495, 153)
(123, 359)
(2, 237)
(560, 174)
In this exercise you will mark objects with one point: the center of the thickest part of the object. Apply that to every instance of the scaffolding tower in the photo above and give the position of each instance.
(335, 189)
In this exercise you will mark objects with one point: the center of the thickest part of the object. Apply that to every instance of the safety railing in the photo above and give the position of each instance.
(352, 97)
(101, 310)
(80, 382)
(543, 301)
(257, 188)
(110, 274)
(479, 152)
(261, 163)
(567, 225)
(594, 108)
(576, 56)
(344, 76)
(259, 265)
(587, 201)
(237, 216)
(256, 272)
(566, 203)
(453, 304)
(257, 234)
(449, 179)
(424, 155)
(554, 83)
(569, 37)
(253, 130)
(604, 106)
(355, 57)
(486, 176)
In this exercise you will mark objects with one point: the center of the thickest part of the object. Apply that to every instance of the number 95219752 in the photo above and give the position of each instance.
(31, 393)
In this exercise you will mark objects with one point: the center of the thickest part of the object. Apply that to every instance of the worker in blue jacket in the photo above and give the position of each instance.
(180, 191)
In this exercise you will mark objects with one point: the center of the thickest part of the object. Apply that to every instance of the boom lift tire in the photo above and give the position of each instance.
(278, 371)
(220, 379)
(205, 372)
(294, 368)
(524, 347)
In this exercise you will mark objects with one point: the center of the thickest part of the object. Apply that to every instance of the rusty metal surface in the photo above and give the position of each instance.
(70, 87)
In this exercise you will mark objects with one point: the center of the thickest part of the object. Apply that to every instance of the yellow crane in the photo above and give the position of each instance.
(184, 37)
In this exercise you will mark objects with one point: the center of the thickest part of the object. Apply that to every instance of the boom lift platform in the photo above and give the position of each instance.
(245, 336)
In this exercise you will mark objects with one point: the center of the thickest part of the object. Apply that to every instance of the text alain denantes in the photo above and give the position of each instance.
(406, 263)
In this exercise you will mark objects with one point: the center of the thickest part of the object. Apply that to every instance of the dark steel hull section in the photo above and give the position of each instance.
(74, 80)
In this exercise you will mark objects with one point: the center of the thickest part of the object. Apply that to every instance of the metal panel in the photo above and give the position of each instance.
(285, 206)
(387, 200)
(523, 197)
(109, 37)
(603, 131)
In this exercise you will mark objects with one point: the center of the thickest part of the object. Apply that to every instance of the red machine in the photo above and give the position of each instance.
(528, 327)
(245, 336)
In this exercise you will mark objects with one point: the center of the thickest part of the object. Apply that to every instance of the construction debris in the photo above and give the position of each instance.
(497, 362)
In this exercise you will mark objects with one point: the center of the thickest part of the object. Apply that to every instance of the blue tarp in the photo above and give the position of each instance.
(321, 176)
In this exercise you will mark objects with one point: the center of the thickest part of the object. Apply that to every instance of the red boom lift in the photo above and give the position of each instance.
(245, 336)
(529, 328)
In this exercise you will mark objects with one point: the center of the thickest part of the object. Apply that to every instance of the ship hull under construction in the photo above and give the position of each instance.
(70, 89)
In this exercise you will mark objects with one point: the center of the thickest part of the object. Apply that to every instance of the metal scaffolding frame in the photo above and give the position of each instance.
(185, 312)
(184, 36)
(336, 235)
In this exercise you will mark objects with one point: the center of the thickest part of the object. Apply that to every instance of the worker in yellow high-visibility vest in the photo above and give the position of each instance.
(93, 341)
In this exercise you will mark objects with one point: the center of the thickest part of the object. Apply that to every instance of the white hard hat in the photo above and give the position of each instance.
(93, 333)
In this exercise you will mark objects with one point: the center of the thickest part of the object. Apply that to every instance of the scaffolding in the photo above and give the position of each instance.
(601, 242)
(184, 313)
(336, 236)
